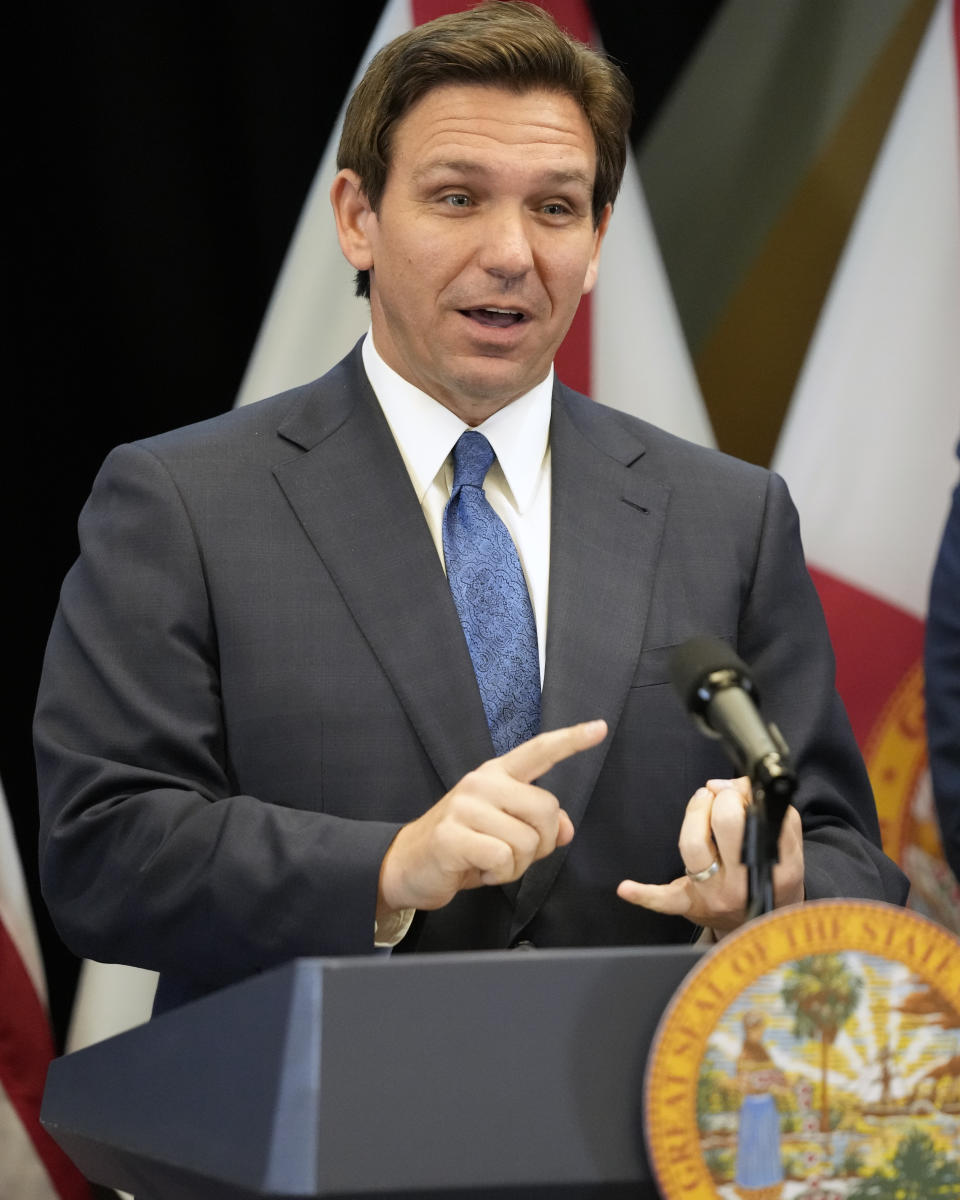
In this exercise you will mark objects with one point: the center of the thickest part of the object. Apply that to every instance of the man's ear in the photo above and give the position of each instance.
(353, 213)
(602, 225)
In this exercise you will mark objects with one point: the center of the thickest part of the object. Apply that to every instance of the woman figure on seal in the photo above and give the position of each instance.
(759, 1173)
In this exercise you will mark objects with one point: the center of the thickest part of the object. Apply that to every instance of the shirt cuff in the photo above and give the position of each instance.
(392, 929)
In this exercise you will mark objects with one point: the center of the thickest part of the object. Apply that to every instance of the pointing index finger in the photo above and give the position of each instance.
(535, 757)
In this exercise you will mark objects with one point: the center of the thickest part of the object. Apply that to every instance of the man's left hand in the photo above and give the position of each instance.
(712, 833)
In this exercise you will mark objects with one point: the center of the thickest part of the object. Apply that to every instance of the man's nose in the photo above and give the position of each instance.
(506, 252)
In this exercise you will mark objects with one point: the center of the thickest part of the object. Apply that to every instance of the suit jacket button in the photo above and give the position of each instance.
(522, 944)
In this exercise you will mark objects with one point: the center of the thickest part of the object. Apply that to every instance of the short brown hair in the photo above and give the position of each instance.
(504, 43)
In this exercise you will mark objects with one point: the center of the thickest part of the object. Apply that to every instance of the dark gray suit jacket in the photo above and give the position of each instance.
(941, 668)
(257, 674)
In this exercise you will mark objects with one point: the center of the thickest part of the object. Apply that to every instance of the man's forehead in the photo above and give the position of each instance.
(480, 114)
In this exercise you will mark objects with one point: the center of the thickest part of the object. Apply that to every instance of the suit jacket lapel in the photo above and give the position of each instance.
(352, 494)
(606, 526)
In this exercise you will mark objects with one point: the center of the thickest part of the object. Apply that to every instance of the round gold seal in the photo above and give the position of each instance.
(895, 754)
(814, 1054)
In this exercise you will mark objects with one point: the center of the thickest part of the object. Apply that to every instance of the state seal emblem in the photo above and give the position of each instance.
(812, 1055)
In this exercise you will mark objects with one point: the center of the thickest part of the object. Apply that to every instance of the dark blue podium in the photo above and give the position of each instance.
(442, 1076)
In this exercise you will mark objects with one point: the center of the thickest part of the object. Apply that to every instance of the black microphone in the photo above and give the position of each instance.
(717, 689)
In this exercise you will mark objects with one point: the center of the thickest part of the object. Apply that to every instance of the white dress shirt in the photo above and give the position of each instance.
(517, 485)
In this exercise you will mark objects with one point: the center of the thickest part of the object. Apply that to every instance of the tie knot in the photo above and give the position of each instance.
(472, 456)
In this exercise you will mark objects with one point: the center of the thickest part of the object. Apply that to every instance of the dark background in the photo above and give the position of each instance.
(159, 159)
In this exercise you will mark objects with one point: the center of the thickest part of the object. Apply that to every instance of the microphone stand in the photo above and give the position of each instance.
(773, 784)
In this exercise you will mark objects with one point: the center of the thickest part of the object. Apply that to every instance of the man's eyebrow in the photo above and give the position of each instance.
(466, 167)
(455, 166)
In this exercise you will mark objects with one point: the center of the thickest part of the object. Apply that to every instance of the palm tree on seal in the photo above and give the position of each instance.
(822, 994)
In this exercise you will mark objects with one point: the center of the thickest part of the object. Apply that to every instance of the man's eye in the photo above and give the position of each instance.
(457, 200)
(556, 210)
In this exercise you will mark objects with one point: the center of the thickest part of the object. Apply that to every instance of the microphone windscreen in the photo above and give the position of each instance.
(694, 661)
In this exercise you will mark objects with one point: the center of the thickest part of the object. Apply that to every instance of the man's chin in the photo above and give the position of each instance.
(495, 383)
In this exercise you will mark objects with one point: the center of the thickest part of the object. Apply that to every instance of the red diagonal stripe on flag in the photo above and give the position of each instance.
(573, 358)
(571, 15)
(875, 643)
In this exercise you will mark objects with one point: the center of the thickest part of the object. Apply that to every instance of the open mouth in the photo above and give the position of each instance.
(495, 318)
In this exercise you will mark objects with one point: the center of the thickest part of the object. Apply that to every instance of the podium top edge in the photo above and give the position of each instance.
(591, 954)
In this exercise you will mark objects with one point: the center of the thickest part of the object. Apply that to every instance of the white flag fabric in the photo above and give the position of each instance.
(313, 318)
(32, 1166)
(867, 449)
(639, 360)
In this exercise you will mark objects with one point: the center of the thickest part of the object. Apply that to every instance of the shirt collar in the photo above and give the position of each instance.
(426, 432)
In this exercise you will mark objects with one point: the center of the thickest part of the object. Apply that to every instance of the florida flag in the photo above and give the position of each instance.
(625, 347)
(867, 449)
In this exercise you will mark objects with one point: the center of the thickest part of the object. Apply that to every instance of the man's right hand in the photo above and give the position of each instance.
(487, 829)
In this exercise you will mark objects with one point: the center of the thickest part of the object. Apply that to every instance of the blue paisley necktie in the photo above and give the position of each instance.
(491, 596)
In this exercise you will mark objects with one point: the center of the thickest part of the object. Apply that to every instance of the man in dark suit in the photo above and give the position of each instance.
(942, 670)
(263, 731)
